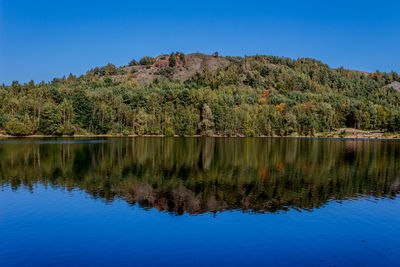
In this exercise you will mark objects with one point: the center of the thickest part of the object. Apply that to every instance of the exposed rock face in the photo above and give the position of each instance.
(395, 85)
(184, 69)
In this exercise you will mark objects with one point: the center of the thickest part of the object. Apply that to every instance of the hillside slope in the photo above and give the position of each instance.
(205, 94)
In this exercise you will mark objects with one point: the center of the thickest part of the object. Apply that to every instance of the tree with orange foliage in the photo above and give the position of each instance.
(280, 107)
(262, 100)
(266, 93)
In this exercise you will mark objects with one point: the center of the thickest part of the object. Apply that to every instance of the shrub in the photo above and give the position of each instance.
(125, 132)
(169, 131)
(108, 81)
(342, 134)
(15, 127)
(147, 61)
(167, 72)
(69, 129)
(181, 56)
(133, 62)
(108, 69)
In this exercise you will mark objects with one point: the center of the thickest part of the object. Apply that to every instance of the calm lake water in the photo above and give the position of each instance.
(199, 201)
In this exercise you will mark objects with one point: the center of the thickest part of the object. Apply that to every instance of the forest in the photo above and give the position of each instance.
(197, 94)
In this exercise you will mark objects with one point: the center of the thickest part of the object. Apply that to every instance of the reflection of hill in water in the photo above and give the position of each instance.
(196, 175)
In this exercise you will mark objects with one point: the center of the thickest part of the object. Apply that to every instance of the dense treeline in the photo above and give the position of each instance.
(252, 96)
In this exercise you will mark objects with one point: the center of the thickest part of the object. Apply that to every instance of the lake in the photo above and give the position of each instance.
(151, 201)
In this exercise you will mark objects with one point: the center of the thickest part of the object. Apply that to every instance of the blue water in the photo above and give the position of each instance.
(199, 202)
(54, 227)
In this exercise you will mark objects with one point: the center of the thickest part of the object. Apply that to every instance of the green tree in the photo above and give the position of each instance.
(3, 119)
(147, 61)
(50, 121)
(254, 95)
(172, 60)
(140, 124)
(133, 62)
(82, 106)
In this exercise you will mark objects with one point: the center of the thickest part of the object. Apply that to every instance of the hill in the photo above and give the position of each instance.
(194, 94)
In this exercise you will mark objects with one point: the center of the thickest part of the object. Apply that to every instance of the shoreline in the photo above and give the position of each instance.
(393, 137)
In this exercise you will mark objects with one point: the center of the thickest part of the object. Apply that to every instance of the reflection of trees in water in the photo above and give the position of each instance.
(207, 152)
(197, 175)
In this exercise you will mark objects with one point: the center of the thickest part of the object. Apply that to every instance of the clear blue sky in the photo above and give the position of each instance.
(43, 39)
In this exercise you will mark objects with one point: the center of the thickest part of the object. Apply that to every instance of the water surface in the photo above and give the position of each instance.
(199, 201)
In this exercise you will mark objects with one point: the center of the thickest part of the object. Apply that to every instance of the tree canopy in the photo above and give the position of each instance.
(251, 96)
